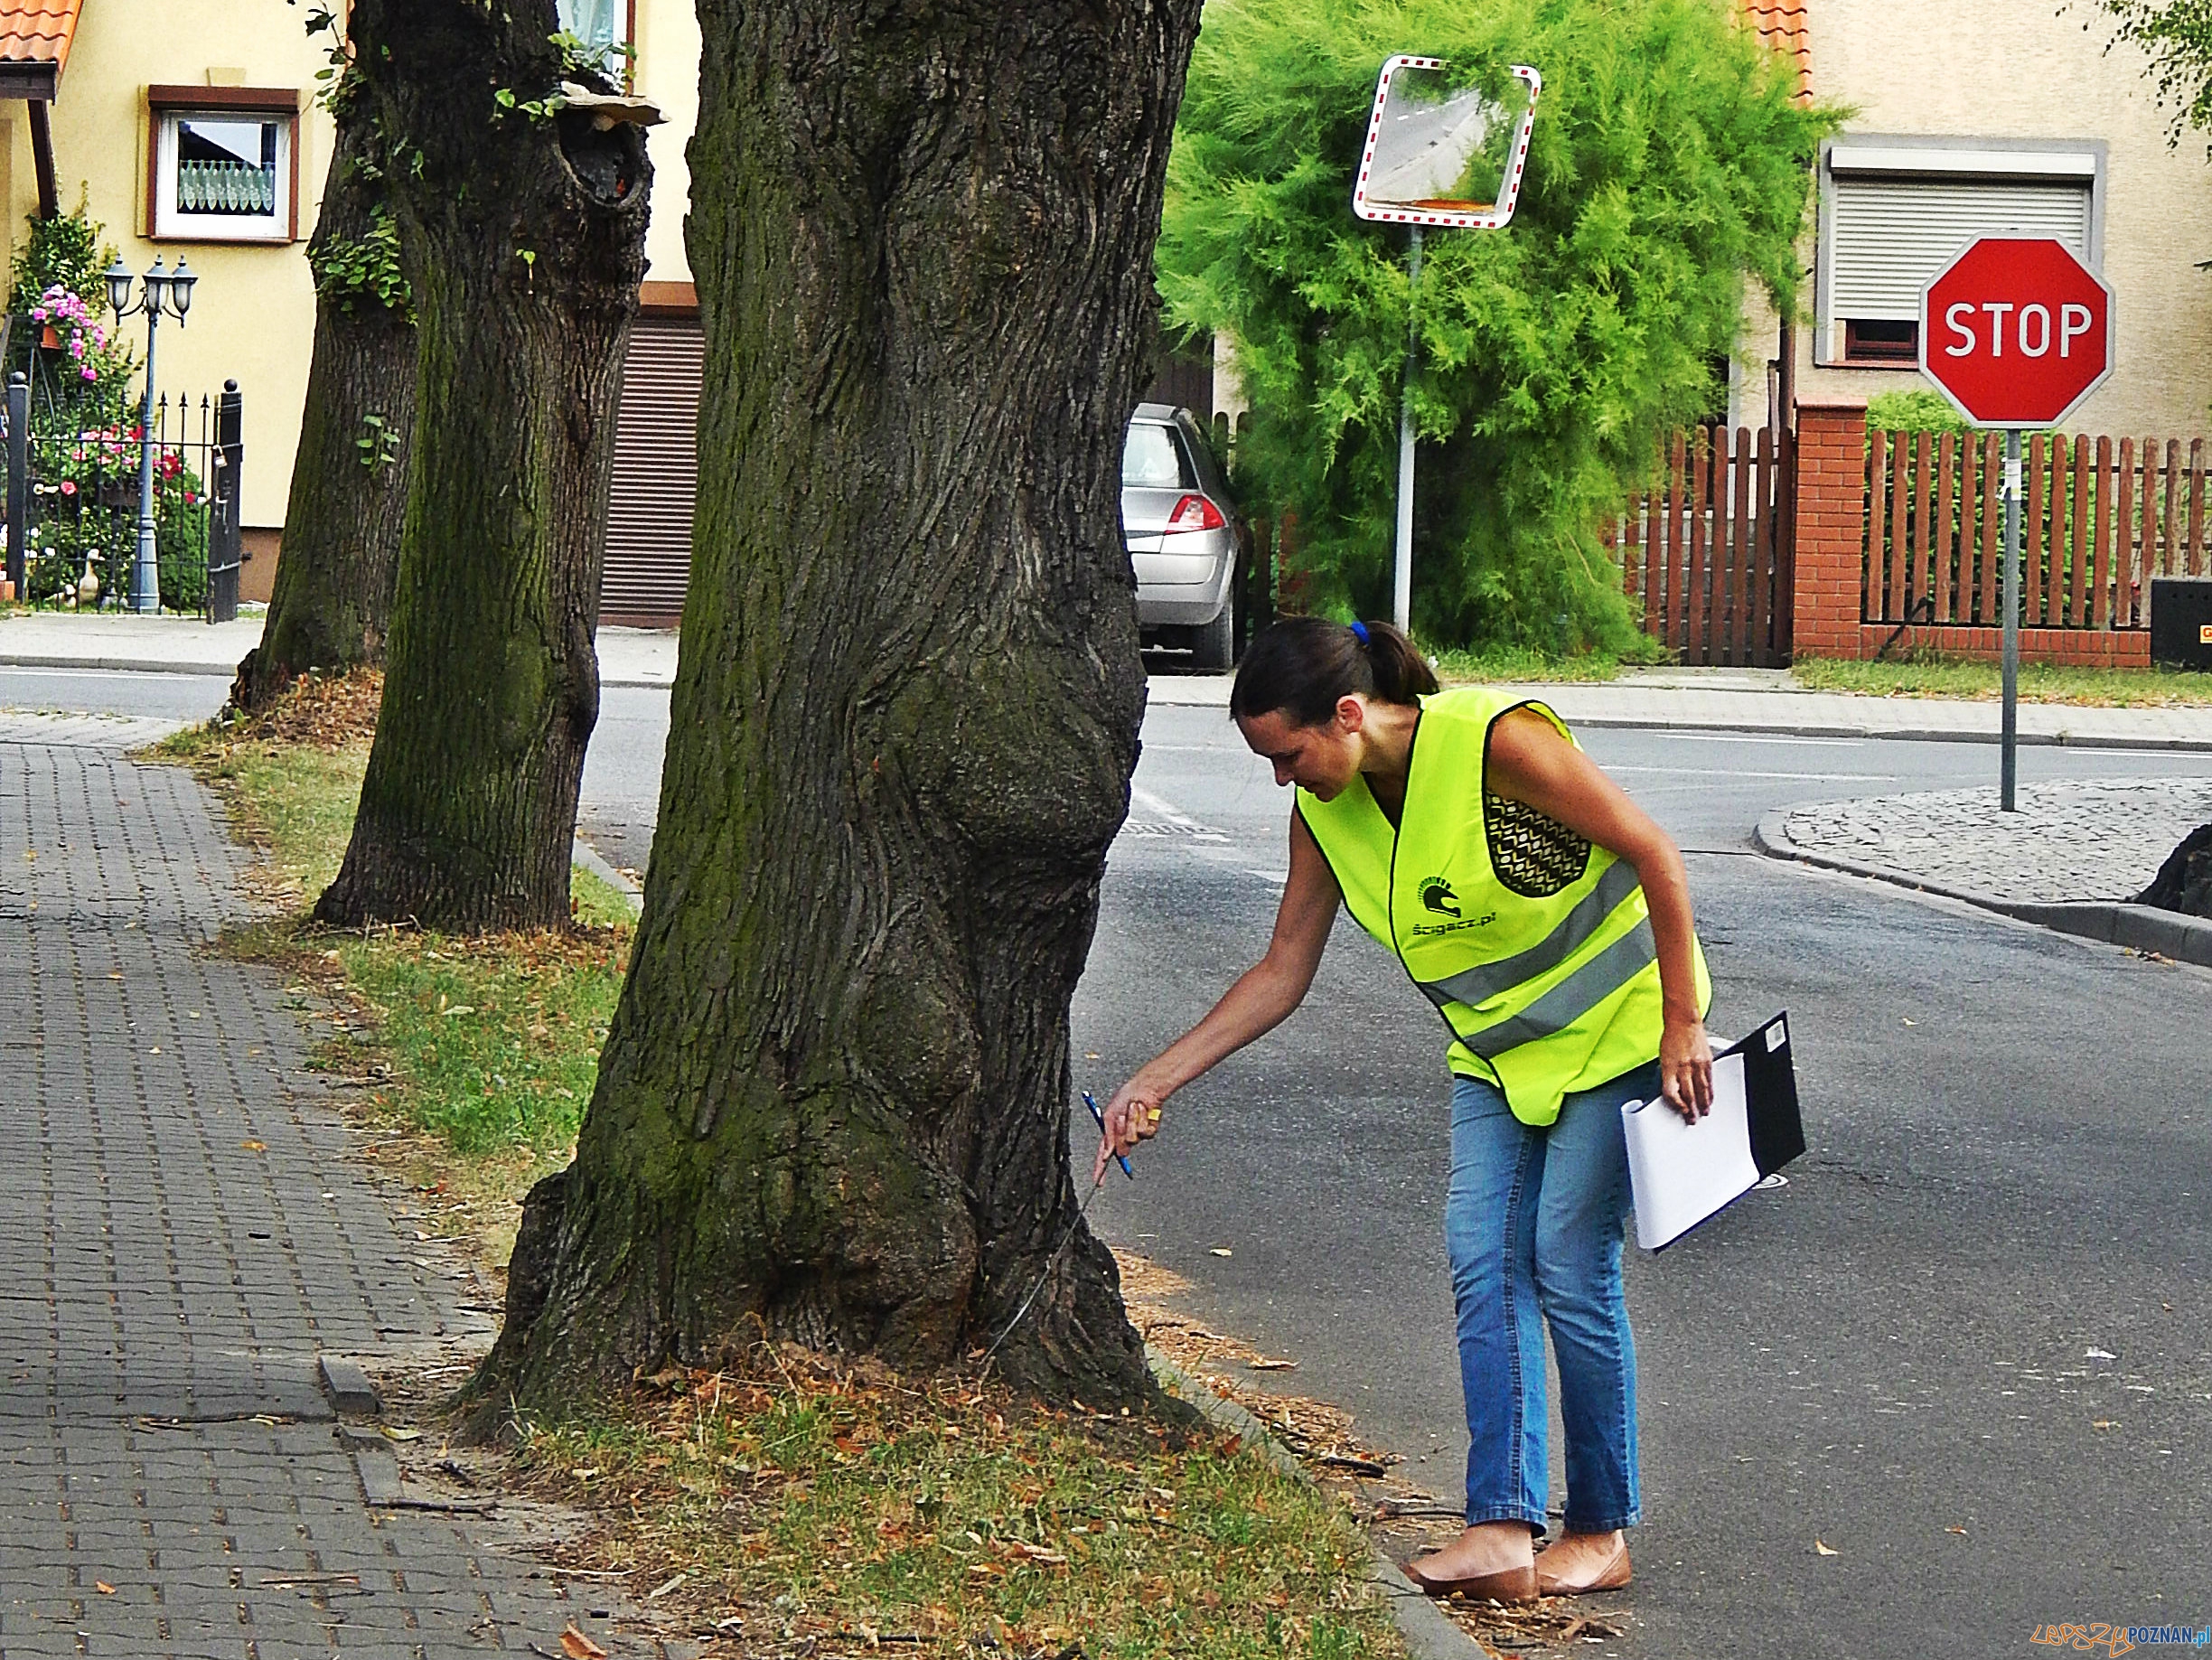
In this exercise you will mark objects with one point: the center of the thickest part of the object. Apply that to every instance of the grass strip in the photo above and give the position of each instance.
(1935, 676)
(1459, 667)
(939, 1516)
(955, 1519)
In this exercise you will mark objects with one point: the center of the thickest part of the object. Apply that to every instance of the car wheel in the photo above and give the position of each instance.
(1213, 644)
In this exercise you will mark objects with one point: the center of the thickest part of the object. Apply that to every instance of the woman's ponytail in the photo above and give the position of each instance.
(1401, 674)
(1303, 665)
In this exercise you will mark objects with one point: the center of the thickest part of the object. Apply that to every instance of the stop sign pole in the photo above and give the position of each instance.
(2015, 331)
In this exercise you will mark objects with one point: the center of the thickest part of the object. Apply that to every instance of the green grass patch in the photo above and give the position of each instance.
(1935, 676)
(1460, 666)
(946, 1516)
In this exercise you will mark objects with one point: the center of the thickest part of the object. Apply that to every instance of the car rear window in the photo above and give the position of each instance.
(1151, 459)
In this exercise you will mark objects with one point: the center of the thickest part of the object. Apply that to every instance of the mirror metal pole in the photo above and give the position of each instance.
(2008, 765)
(1401, 584)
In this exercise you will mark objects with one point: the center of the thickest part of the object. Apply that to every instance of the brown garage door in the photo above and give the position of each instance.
(656, 475)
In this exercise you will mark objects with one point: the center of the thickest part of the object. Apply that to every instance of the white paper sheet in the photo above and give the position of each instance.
(1682, 1172)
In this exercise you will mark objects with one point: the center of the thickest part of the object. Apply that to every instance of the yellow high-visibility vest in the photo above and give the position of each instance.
(1535, 945)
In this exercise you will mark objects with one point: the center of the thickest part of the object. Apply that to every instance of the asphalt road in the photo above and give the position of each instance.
(1968, 1349)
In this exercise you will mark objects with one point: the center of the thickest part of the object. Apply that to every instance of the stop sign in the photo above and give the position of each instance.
(2016, 331)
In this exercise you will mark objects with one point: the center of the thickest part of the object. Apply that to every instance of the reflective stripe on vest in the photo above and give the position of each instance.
(1485, 981)
(1565, 1003)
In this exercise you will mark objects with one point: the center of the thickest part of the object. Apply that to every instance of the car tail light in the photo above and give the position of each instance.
(1194, 512)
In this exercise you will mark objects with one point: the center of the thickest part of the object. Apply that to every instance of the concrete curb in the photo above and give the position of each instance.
(1429, 1635)
(118, 665)
(229, 671)
(1911, 735)
(2109, 921)
(585, 854)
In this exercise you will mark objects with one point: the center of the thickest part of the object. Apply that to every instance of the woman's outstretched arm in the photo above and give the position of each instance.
(1262, 996)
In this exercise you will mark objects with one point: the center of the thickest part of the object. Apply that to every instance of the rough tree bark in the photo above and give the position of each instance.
(833, 1104)
(332, 600)
(523, 238)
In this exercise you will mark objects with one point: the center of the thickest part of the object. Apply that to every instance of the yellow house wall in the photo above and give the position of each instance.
(667, 70)
(1999, 70)
(253, 311)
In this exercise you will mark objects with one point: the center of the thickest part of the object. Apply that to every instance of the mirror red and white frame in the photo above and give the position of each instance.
(1500, 212)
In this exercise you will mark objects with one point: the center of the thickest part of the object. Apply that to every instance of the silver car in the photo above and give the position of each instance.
(1180, 525)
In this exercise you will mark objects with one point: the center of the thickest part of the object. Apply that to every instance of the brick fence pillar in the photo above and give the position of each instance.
(1831, 527)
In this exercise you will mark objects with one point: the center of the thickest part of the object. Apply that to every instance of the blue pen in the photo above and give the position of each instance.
(1102, 1124)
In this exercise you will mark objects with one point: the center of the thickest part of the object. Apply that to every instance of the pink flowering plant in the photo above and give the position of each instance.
(88, 355)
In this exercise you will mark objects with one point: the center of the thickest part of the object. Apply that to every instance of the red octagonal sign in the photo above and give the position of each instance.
(2016, 331)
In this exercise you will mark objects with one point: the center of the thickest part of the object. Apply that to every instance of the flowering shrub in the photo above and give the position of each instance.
(81, 337)
(85, 513)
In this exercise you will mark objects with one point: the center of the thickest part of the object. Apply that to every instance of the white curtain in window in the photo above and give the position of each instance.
(593, 22)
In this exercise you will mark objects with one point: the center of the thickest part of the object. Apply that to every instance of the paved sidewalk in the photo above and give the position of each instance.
(1752, 700)
(186, 645)
(185, 1232)
(2068, 842)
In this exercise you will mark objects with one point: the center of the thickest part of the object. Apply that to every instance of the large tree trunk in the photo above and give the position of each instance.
(523, 235)
(834, 1103)
(332, 601)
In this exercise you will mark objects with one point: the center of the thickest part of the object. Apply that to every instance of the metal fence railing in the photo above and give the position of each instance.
(81, 495)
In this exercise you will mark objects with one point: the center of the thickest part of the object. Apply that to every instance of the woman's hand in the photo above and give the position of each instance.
(1685, 1067)
(1133, 1115)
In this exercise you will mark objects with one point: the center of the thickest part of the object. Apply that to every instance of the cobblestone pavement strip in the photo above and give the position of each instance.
(2068, 842)
(184, 1230)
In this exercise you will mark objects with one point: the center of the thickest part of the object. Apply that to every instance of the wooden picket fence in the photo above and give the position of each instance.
(1707, 553)
(2099, 518)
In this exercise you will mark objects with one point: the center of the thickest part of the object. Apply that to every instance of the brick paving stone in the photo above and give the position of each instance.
(184, 1231)
(2068, 842)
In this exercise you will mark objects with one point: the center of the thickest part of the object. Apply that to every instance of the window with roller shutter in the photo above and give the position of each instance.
(1894, 210)
(656, 474)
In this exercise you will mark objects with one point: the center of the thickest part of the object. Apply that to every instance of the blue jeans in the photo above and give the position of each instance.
(1534, 1224)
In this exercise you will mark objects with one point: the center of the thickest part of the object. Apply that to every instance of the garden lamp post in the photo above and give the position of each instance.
(160, 290)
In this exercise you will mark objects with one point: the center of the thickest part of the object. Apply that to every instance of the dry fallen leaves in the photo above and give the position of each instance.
(577, 1647)
(1820, 1550)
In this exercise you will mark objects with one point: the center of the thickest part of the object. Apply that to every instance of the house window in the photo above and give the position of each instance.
(602, 24)
(1867, 340)
(1894, 211)
(223, 164)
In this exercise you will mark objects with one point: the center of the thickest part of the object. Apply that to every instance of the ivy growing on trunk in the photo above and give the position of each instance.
(331, 602)
(1670, 168)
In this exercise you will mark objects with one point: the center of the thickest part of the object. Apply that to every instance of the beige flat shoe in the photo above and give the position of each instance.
(1503, 1585)
(1607, 1573)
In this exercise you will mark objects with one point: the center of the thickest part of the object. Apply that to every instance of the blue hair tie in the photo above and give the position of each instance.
(1359, 632)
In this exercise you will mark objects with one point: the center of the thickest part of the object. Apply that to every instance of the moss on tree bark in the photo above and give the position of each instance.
(833, 1104)
(522, 238)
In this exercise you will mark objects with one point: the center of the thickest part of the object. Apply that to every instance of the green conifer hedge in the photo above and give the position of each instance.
(1669, 166)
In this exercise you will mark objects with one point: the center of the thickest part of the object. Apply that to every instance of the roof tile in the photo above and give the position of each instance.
(1781, 24)
(37, 31)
